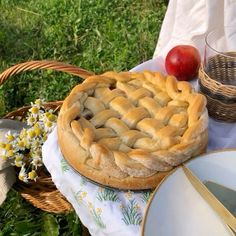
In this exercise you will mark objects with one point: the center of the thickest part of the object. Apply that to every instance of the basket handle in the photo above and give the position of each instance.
(44, 64)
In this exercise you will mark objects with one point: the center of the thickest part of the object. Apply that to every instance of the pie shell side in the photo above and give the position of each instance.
(72, 156)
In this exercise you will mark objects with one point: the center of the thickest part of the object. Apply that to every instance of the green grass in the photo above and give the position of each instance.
(18, 217)
(97, 35)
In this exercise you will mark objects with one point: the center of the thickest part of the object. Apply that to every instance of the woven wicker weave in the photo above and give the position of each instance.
(218, 83)
(222, 67)
(43, 193)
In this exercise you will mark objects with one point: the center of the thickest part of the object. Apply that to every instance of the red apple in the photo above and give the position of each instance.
(183, 61)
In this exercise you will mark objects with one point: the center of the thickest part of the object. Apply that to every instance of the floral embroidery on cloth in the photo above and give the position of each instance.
(104, 211)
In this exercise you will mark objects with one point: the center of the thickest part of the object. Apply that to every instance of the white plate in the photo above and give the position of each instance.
(176, 208)
(152, 65)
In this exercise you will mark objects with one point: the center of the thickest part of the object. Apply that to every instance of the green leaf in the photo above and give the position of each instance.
(24, 227)
(74, 224)
(50, 225)
(64, 166)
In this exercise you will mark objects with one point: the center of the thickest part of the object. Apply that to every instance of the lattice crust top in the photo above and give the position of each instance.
(129, 126)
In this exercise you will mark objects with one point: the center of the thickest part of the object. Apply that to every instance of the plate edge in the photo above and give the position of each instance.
(159, 185)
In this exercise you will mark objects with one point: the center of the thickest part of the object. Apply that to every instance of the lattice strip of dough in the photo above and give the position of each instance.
(131, 136)
(94, 105)
(133, 116)
(165, 113)
(138, 94)
(100, 118)
(150, 126)
(121, 105)
(117, 125)
(151, 105)
(106, 95)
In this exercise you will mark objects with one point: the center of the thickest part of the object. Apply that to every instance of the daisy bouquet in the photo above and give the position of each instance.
(24, 149)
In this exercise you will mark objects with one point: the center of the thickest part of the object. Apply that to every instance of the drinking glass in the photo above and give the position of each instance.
(220, 55)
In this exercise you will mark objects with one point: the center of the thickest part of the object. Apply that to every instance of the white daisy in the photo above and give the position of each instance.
(22, 175)
(31, 120)
(36, 162)
(10, 136)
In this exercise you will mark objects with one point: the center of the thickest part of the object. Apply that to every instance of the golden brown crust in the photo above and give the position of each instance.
(128, 130)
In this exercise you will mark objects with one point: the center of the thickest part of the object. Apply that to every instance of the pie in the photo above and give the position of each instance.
(128, 130)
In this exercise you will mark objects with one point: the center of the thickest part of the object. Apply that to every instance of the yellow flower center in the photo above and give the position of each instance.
(37, 131)
(31, 119)
(23, 133)
(32, 175)
(21, 143)
(31, 133)
(34, 110)
(21, 177)
(8, 146)
(51, 117)
(48, 124)
(10, 137)
(38, 102)
(10, 153)
(18, 163)
(18, 158)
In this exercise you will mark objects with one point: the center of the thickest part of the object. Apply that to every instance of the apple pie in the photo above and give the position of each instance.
(128, 130)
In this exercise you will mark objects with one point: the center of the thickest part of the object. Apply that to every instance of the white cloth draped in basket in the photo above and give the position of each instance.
(7, 171)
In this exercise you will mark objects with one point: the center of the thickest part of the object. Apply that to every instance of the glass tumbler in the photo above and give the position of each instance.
(220, 55)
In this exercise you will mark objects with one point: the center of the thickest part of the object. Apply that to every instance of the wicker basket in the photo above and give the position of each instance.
(218, 84)
(43, 193)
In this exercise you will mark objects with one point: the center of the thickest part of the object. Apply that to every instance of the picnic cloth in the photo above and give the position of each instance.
(107, 211)
(111, 212)
(7, 172)
(188, 21)
(7, 179)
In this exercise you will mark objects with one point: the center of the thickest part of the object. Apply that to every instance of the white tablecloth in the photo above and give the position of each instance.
(111, 212)
(103, 211)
